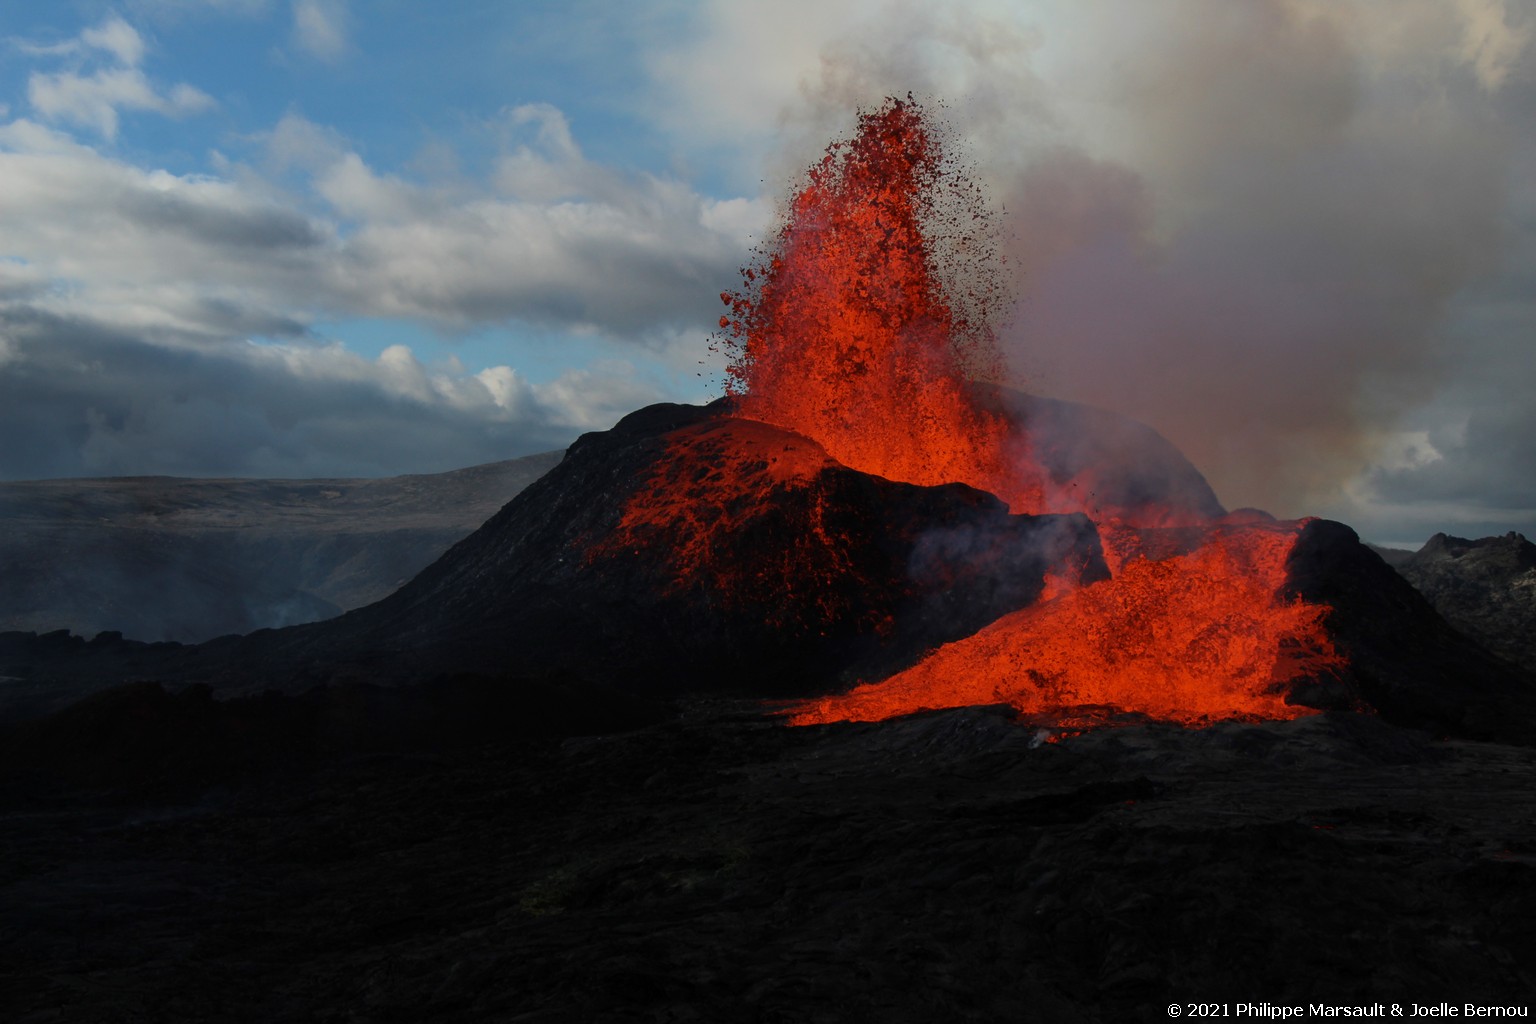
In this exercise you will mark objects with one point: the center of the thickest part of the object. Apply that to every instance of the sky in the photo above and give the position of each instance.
(328, 238)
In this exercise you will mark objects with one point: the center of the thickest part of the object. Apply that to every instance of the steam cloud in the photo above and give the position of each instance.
(1282, 233)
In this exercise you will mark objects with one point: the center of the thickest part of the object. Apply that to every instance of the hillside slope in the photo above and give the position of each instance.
(165, 558)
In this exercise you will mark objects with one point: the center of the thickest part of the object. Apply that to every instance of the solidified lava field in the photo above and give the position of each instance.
(714, 865)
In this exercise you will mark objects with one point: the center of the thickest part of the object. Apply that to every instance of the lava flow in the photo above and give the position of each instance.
(1191, 639)
(862, 327)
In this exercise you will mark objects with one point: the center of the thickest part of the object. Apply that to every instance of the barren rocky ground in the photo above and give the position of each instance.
(714, 865)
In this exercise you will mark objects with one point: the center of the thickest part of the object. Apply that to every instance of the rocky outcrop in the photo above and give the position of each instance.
(1486, 588)
(688, 550)
(1405, 660)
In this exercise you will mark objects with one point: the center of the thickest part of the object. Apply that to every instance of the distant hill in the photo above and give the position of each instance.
(1486, 588)
(1394, 557)
(166, 558)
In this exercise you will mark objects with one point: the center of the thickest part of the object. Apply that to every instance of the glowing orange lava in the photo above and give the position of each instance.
(710, 486)
(1190, 639)
(846, 332)
(861, 327)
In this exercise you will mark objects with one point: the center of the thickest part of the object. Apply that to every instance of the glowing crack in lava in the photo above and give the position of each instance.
(715, 480)
(858, 328)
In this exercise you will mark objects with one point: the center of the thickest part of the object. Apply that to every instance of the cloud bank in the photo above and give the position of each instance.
(160, 322)
(1296, 236)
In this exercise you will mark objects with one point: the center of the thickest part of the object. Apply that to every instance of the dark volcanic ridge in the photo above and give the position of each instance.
(1486, 588)
(557, 583)
(167, 558)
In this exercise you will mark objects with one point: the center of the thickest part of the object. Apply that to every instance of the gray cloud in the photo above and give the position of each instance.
(81, 399)
(622, 256)
(128, 295)
(222, 227)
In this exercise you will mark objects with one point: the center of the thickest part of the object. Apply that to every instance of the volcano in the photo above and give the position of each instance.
(738, 557)
(693, 550)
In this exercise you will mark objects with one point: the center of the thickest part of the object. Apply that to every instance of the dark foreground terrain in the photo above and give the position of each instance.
(709, 864)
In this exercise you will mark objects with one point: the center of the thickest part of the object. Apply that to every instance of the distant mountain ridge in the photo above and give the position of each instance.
(1486, 588)
(169, 558)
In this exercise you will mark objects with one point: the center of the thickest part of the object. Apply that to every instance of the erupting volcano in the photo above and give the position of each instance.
(870, 524)
(864, 326)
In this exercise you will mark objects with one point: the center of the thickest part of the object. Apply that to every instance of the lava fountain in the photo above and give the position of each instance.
(846, 332)
(864, 326)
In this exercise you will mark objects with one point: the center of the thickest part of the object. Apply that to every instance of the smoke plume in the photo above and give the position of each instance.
(1260, 228)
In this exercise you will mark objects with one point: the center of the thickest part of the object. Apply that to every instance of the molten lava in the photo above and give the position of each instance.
(846, 332)
(1190, 639)
(862, 327)
(713, 483)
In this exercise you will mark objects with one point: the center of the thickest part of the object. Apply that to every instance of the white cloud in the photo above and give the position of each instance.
(149, 247)
(1409, 450)
(508, 389)
(745, 220)
(595, 397)
(93, 100)
(1489, 42)
(199, 255)
(547, 167)
(295, 142)
(320, 27)
(560, 241)
(117, 37)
